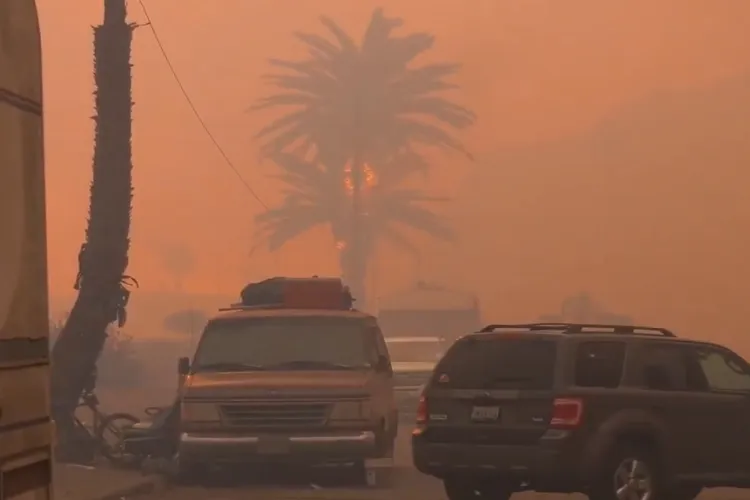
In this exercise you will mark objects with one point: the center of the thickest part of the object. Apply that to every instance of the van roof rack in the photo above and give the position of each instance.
(242, 307)
(295, 293)
(575, 328)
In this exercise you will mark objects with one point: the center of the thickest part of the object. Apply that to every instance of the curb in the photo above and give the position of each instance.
(146, 486)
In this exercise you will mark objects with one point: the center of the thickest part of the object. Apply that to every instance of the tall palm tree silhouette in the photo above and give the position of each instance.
(354, 105)
(318, 194)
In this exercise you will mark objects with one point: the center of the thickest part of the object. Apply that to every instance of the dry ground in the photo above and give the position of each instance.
(407, 484)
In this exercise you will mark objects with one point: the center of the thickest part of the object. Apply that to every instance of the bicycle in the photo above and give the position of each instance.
(104, 425)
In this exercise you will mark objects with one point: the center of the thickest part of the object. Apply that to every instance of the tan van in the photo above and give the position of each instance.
(291, 376)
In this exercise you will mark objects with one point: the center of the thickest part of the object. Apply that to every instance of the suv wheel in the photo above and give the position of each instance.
(461, 489)
(628, 473)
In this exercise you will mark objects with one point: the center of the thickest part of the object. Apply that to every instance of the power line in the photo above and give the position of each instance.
(228, 161)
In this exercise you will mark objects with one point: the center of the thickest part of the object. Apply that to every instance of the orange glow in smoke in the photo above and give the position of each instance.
(369, 177)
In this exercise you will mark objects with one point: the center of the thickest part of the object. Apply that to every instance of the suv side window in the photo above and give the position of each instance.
(669, 367)
(723, 370)
(599, 364)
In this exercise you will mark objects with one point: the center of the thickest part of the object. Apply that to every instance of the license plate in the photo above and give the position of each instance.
(485, 413)
(273, 445)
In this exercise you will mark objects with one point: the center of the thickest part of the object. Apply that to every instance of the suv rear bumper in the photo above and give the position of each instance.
(309, 448)
(544, 467)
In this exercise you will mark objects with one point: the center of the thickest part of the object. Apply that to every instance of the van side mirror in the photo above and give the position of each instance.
(183, 366)
(384, 365)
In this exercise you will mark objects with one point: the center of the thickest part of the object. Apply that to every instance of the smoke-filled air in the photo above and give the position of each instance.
(431, 169)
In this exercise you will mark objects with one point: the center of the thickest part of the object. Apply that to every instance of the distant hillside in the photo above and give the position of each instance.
(649, 210)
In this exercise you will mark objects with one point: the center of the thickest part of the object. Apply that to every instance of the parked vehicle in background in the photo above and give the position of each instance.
(616, 412)
(412, 359)
(25, 426)
(293, 374)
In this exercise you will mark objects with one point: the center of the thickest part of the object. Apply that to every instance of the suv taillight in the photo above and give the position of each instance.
(422, 412)
(566, 413)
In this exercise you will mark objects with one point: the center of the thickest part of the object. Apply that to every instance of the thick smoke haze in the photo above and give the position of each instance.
(612, 146)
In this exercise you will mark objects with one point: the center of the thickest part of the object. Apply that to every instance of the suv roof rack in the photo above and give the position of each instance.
(573, 328)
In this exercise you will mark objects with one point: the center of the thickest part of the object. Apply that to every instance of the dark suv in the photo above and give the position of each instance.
(615, 412)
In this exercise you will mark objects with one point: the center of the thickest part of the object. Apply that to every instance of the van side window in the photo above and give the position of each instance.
(380, 344)
(599, 364)
(376, 345)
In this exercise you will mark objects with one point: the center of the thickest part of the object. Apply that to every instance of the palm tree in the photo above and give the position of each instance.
(360, 104)
(103, 259)
(318, 194)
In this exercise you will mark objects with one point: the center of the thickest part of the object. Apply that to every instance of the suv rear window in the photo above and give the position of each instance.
(498, 363)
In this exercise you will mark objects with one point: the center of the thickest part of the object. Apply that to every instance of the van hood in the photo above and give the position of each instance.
(336, 383)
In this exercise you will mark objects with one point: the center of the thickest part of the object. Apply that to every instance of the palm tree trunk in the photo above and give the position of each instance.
(104, 256)
(356, 268)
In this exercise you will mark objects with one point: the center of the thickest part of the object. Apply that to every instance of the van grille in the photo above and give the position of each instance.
(290, 414)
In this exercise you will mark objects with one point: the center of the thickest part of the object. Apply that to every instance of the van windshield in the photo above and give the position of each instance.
(283, 343)
(498, 363)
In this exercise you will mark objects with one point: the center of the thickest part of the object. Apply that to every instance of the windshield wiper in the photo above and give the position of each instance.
(322, 365)
(228, 367)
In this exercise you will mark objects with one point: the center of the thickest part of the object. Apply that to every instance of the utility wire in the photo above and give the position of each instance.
(228, 161)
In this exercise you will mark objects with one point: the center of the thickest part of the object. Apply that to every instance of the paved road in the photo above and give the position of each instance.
(405, 484)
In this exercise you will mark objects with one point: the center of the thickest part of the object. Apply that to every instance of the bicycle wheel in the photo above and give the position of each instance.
(109, 436)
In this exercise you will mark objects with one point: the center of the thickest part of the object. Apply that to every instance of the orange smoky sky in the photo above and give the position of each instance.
(545, 78)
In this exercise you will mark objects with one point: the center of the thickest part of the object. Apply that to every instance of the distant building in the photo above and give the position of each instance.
(429, 310)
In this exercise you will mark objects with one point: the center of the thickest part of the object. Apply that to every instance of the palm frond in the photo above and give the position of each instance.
(400, 167)
(379, 30)
(425, 79)
(346, 42)
(401, 51)
(285, 121)
(285, 99)
(324, 91)
(293, 134)
(319, 84)
(441, 109)
(318, 43)
(302, 174)
(416, 217)
(429, 135)
(280, 225)
(309, 67)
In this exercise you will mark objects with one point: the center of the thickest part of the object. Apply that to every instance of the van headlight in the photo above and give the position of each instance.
(199, 412)
(352, 410)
